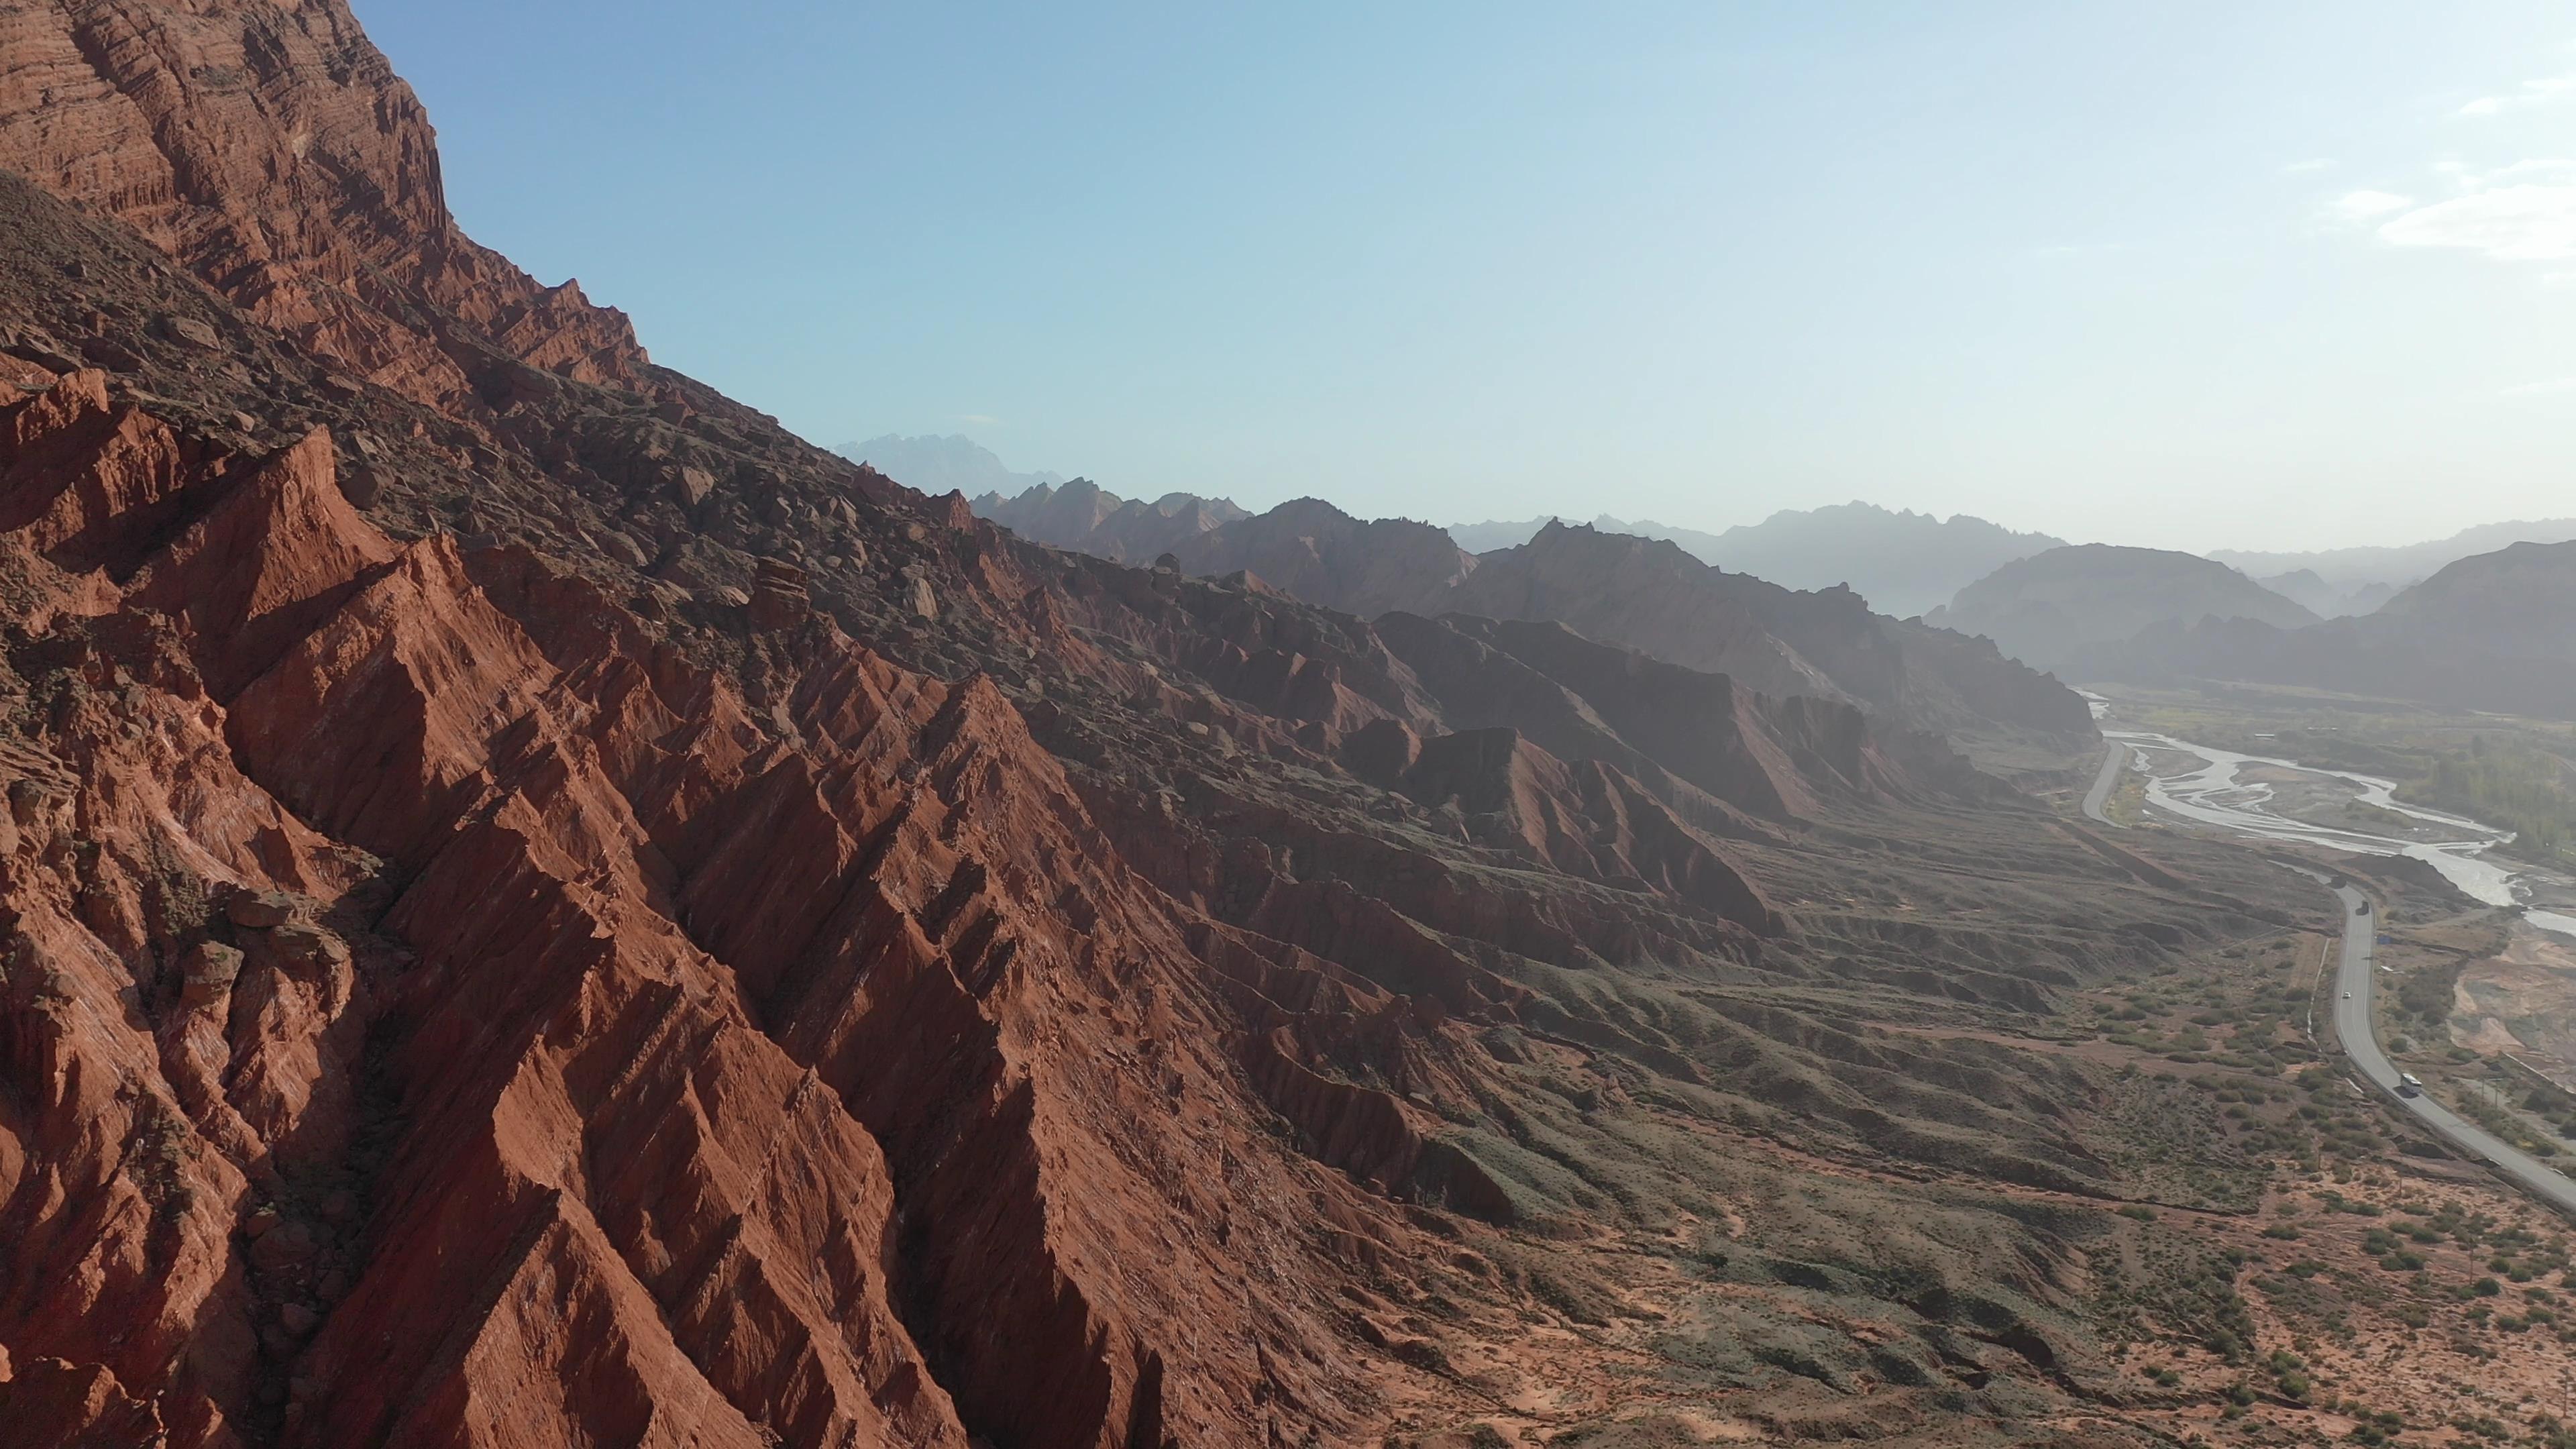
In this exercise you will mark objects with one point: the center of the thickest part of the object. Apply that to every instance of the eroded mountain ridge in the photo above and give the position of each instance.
(543, 910)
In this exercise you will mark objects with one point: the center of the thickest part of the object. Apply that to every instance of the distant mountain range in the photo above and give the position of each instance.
(1647, 594)
(1909, 563)
(2327, 601)
(2464, 621)
(2348, 570)
(2051, 607)
(942, 464)
(1904, 563)
(2495, 631)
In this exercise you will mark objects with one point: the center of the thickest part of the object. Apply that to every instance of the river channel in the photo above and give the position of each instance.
(2207, 785)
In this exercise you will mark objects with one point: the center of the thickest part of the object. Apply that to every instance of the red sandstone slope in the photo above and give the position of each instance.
(708, 1037)
(455, 928)
(273, 151)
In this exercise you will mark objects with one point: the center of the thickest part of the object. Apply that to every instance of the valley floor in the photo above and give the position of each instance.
(2300, 1262)
(2349, 1279)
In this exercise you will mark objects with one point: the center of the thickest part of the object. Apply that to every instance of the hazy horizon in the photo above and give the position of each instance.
(1026, 478)
(2196, 279)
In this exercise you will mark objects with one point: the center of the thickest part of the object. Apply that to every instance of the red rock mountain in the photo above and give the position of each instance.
(272, 151)
(1645, 594)
(540, 910)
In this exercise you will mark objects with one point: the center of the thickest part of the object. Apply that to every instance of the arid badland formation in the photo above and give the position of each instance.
(542, 910)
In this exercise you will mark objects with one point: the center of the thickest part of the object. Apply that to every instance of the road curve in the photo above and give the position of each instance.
(2353, 1027)
(2100, 795)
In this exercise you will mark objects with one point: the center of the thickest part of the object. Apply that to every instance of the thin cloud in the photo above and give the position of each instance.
(2508, 223)
(2518, 211)
(981, 420)
(2363, 205)
(2313, 163)
(2518, 171)
(2540, 389)
(2548, 90)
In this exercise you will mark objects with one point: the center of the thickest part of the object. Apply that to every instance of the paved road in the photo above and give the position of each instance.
(2354, 981)
(2100, 794)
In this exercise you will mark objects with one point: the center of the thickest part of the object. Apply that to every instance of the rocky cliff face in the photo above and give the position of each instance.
(551, 912)
(271, 150)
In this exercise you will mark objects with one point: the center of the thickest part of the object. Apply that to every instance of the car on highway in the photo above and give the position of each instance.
(2362, 910)
(2347, 996)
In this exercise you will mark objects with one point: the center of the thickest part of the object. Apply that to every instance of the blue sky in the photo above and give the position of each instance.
(2192, 275)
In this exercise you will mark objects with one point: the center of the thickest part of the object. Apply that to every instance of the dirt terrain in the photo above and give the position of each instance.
(2522, 999)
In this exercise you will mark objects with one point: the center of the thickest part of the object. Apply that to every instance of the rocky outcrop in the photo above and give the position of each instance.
(271, 149)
